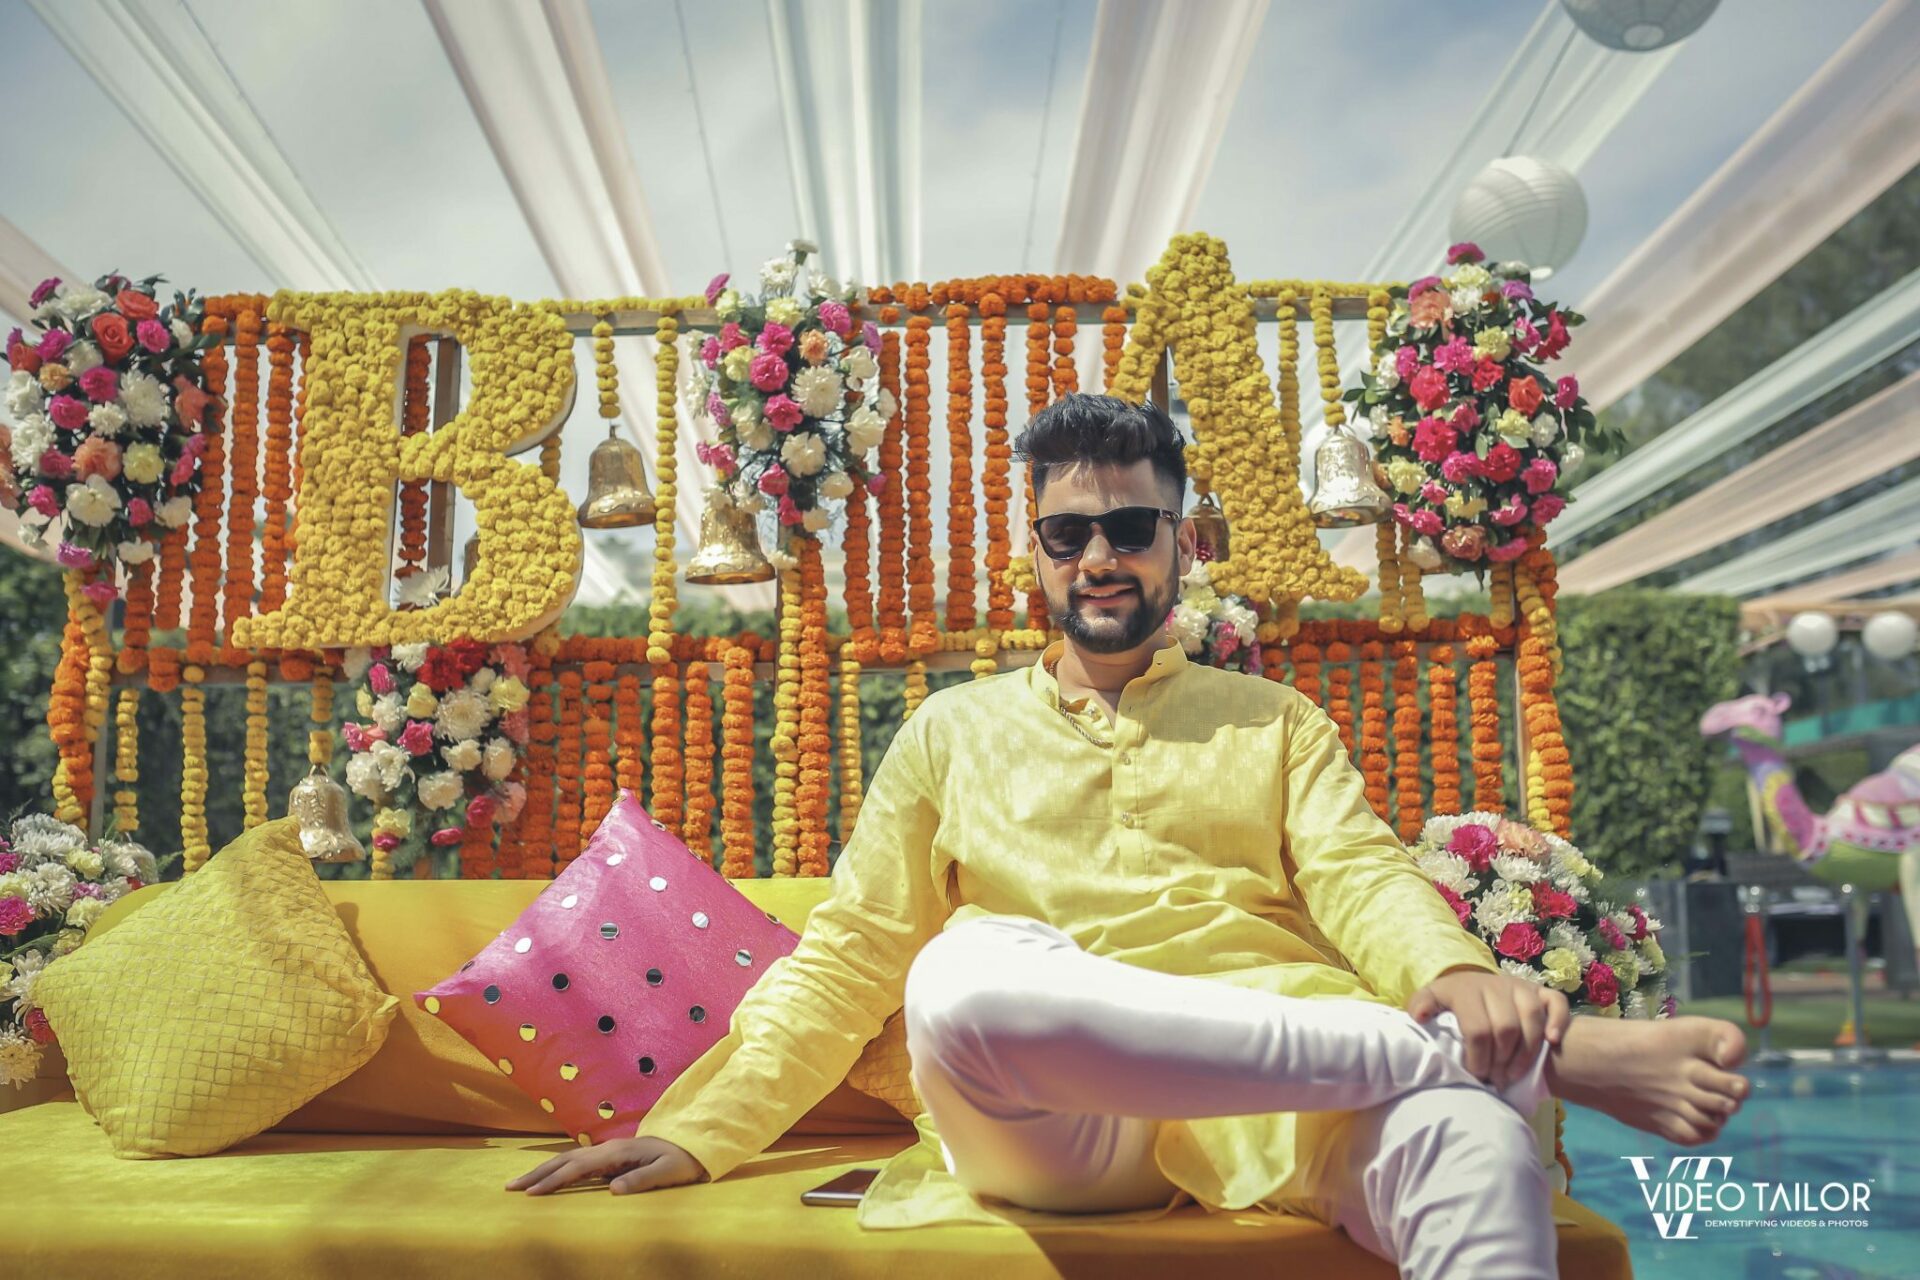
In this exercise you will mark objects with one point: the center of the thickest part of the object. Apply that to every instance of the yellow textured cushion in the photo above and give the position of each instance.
(218, 1008)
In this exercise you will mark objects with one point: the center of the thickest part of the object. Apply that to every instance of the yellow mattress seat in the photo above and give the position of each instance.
(293, 1205)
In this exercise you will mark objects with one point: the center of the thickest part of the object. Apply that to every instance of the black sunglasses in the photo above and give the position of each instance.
(1129, 530)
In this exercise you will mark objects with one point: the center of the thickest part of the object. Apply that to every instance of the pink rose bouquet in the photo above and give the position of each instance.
(1476, 441)
(1529, 896)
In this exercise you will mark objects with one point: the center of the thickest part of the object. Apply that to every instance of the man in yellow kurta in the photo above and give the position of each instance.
(1160, 947)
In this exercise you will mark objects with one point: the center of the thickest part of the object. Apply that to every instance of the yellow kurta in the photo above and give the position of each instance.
(1224, 834)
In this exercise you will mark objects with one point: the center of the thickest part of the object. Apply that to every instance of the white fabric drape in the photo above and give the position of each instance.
(1883, 522)
(1868, 439)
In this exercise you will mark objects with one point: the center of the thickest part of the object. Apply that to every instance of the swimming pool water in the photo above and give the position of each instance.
(1802, 1124)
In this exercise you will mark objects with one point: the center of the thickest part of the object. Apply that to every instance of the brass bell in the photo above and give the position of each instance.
(320, 804)
(729, 545)
(1210, 526)
(1344, 492)
(617, 493)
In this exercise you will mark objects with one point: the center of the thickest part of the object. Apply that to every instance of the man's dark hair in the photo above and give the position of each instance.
(1079, 429)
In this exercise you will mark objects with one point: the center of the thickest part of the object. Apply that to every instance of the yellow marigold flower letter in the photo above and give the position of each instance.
(521, 363)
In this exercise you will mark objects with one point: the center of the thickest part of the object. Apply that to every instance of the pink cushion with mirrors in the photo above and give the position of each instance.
(619, 976)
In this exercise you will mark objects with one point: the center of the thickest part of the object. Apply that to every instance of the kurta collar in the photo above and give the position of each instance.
(1169, 660)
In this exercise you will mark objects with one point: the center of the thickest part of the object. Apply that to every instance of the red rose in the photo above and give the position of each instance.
(1524, 394)
(110, 331)
(136, 306)
(1520, 942)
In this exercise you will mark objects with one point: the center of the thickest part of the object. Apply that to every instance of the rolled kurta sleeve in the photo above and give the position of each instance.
(800, 1028)
(1360, 884)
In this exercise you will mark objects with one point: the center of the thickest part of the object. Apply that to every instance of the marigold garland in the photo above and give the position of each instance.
(916, 688)
(597, 733)
(126, 767)
(863, 639)
(1483, 697)
(816, 742)
(193, 769)
(1066, 374)
(892, 644)
(1413, 594)
(1443, 735)
(253, 797)
(536, 835)
(697, 828)
(1339, 675)
(1386, 550)
(660, 609)
(568, 808)
(1406, 740)
(629, 735)
(923, 635)
(852, 767)
(1039, 389)
(1113, 341)
(786, 730)
(1373, 726)
(995, 481)
(1549, 771)
(137, 619)
(1501, 582)
(320, 715)
(170, 584)
(203, 623)
(416, 407)
(243, 467)
(277, 468)
(1305, 660)
(736, 750)
(960, 549)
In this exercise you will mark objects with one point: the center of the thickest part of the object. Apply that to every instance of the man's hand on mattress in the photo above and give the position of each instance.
(1503, 1019)
(625, 1165)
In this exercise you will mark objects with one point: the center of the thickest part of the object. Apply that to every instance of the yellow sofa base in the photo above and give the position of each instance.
(296, 1205)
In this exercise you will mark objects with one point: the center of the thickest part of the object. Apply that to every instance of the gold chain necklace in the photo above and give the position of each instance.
(1073, 719)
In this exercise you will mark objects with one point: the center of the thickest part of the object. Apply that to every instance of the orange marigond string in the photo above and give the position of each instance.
(1549, 800)
(852, 767)
(1444, 733)
(668, 776)
(299, 438)
(857, 570)
(786, 728)
(736, 750)
(243, 466)
(1306, 670)
(536, 818)
(1039, 387)
(203, 560)
(597, 731)
(924, 629)
(66, 712)
(816, 709)
(995, 483)
(138, 621)
(893, 506)
(566, 772)
(1373, 726)
(1483, 695)
(629, 735)
(1406, 739)
(1339, 674)
(415, 414)
(697, 829)
(1066, 374)
(960, 549)
(1113, 340)
(277, 467)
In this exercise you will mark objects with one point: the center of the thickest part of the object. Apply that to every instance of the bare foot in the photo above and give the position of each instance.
(1674, 1077)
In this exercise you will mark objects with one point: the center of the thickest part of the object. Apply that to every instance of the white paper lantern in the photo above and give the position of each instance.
(1522, 208)
(1639, 26)
(1890, 636)
(1812, 635)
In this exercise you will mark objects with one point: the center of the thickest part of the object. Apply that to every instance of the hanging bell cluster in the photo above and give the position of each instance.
(1344, 491)
(729, 552)
(320, 805)
(617, 493)
(1210, 527)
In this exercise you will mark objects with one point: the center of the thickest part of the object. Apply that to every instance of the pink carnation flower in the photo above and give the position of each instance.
(835, 318)
(877, 483)
(1540, 475)
(1434, 439)
(1459, 467)
(1427, 523)
(1640, 929)
(1565, 392)
(715, 285)
(1511, 512)
(1458, 903)
(72, 557)
(379, 678)
(1475, 845)
(1455, 356)
(69, 412)
(1435, 492)
(789, 513)
(1465, 251)
(515, 725)
(1405, 361)
(9, 862)
(1428, 386)
(774, 480)
(139, 512)
(710, 352)
(101, 593)
(1611, 932)
(153, 336)
(1487, 375)
(41, 499)
(1603, 985)
(56, 464)
(1547, 506)
(480, 810)
(731, 337)
(386, 840)
(100, 383)
(718, 411)
(1551, 903)
(1511, 549)
(54, 344)
(356, 736)
(776, 339)
(417, 738)
(1520, 942)
(768, 372)
(447, 835)
(15, 915)
(783, 411)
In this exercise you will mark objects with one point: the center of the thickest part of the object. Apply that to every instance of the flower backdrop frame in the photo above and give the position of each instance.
(584, 706)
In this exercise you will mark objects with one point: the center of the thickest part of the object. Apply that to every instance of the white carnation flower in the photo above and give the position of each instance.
(409, 657)
(814, 519)
(860, 363)
(865, 429)
(1517, 869)
(1465, 301)
(818, 391)
(93, 503)
(138, 551)
(144, 399)
(500, 759)
(1189, 628)
(803, 453)
(24, 395)
(32, 436)
(1386, 371)
(885, 405)
(1521, 969)
(390, 713)
(39, 837)
(776, 275)
(483, 679)
(182, 333)
(441, 790)
(1562, 934)
(78, 301)
(1443, 868)
(461, 755)
(80, 357)
(1637, 1006)
(19, 1057)
(756, 435)
(1501, 906)
(107, 419)
(838, 484)
(50, 889)
(174, 512)
(463, 714)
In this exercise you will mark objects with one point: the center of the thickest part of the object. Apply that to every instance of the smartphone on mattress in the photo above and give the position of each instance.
(847, 1189)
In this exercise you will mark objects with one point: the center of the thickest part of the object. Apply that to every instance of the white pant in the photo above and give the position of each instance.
(1047, 1071)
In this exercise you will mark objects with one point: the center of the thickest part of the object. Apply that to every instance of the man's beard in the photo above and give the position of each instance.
(1140, 617)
